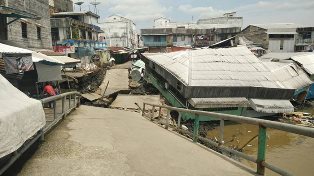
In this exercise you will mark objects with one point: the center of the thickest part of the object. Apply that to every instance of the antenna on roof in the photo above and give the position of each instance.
(79, 3)
(95, 4)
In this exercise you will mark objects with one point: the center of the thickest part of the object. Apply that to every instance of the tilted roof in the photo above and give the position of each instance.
(223, 67)
(306, 61)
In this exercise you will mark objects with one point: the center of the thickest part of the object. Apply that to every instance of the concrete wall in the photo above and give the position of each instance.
(41, 9)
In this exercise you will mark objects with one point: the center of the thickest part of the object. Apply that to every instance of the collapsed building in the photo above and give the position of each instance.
(226, 80)
(301, 64)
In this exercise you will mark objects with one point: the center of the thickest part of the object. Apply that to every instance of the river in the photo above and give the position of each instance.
(294, 153)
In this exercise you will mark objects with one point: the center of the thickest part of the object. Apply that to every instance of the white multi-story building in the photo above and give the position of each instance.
(120, 32)
(228, 20)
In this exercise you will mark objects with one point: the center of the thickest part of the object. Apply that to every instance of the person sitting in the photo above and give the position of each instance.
(49, 90)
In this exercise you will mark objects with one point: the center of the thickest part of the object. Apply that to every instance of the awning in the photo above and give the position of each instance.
(16, 13)
(271, 106)
(12, 49)
(218, 102)
(66, 59)
(39, 57)
(48, 72)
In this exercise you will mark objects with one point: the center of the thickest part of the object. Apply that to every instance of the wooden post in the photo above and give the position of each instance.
(143, 111)
(54, 109)
(167, 119)
(152, 113)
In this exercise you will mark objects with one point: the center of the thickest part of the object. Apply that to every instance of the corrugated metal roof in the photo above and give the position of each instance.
(306, 61)
(271, 106)
(281, 56)
(12, 49)
(289, 75)
(227, 67)
(277, 25)
(38, 57)
(66, 59)
(218, 102)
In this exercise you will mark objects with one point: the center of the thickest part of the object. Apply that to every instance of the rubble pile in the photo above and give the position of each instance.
(90, 82)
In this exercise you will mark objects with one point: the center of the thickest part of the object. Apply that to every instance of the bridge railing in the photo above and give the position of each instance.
(69, 101)
(262, 124)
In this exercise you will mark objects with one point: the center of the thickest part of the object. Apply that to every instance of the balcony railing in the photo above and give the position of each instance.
(305, 41)
(155, 43)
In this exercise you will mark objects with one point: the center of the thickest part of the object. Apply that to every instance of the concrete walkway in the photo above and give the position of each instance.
(97, 141)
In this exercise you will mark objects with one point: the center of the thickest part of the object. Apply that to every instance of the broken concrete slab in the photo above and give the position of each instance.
(118, 81)
(91, 96)
(128, 101)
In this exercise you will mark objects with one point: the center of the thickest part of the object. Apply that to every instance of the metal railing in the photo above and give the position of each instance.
(262, 124)
(305, 41)
(155, 43)
(73, 99)
(69, 101)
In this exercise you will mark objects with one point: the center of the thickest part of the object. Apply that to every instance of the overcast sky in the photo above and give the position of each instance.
(143, 12)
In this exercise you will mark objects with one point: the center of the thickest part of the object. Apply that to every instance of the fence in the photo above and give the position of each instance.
(262, 124)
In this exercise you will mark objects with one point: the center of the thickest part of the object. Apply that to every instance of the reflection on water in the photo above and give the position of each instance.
(292, 152)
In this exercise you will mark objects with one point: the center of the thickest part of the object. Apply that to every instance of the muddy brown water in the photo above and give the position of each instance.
(294, 153)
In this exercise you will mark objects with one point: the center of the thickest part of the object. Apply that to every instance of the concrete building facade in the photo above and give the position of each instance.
(76, 33)
(120, 32)
(29, 24)
(280, 37)
(203, 33)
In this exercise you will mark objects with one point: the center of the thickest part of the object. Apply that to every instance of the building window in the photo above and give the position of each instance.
(38, 33)
(55, 34)
(83, 34)
(24, 29)
(281, 36)
(281, 44)
(157, 39)
(307, 35)
(175, 38)
(68, 33)
(182, 38)
(90, 37)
